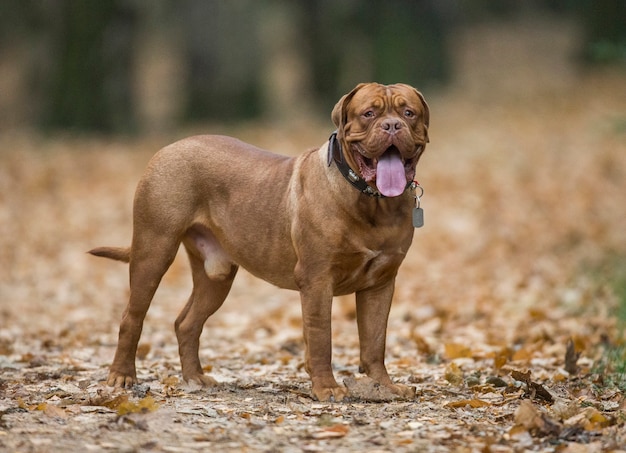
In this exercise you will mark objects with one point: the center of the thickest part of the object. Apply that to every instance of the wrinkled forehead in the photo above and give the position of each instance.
(385, 96)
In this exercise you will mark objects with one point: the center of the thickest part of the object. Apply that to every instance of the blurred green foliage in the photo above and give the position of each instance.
(81, 55)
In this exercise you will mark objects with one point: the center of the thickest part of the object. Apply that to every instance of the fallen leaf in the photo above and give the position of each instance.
(521, 376)
(147, 404)
(537, 313)
(367, 389)
(456, 351)
(474, 403)
(21, 404)
(113, 403)
(27, 357)
(535, 422)
(422, 345)
(522, 355)
(51, 410)
(54, 411)
(527, 415)
(533, 389)
(502, 357)
(143, 349)
(453, 374)
(589, 419)
(170, 381)
(331, 432)
(559, 377)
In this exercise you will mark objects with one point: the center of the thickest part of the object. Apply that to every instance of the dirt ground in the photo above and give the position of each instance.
(524, 235)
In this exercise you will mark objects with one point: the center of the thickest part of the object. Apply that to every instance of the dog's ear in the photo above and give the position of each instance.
(426, 113)
(339, 111)
(426, 109)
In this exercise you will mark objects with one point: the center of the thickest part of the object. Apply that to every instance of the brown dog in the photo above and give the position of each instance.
(297, 223)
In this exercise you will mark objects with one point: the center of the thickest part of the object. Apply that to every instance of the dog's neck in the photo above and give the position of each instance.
(335, 154)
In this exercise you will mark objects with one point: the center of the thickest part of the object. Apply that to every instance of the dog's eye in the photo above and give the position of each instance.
(409, 113)
(369, 114)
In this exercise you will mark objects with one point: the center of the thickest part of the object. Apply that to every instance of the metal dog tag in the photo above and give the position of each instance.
(418, 212)
(418, 217)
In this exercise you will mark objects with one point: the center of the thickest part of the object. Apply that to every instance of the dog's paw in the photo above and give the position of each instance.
(336, 393)
(117, 379)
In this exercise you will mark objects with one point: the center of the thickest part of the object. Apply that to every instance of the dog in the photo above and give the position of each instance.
(332, 221)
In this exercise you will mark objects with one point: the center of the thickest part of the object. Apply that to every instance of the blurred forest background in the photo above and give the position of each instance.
(126, 66)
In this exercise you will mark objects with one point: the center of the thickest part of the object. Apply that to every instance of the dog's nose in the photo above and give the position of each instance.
(391, 125)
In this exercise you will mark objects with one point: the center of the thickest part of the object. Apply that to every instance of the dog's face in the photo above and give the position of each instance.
(384, 130)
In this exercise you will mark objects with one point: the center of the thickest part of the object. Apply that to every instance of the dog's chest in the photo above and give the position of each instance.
(368, 267)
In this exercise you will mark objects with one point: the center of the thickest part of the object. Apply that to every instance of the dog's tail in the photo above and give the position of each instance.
(114, 253)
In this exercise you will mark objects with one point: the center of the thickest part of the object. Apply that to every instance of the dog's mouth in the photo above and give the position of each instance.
(390, 170)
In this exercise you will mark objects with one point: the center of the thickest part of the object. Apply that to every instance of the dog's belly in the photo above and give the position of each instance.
(266, 259)
(275, 271)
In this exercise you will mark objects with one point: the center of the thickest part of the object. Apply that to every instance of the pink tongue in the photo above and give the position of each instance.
(390, 175)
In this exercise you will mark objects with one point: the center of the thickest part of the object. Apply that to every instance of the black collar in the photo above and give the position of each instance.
(335, 153)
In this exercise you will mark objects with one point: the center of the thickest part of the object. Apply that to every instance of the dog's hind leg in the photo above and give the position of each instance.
(213, 274)
(151, 255)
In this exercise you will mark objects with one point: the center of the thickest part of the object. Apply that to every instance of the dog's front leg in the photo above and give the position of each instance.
(373, 306)
(316, 321)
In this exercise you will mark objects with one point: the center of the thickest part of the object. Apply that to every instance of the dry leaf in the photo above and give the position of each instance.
(590, 419)
(474, 403)
(502, 357)
(531, 419)
(143, 349)
(453, 374)
(170, 381)
(527, 415)
(54, 411)
(147, 404)
(113, 404)
(422, 345)
(456, 351)
(331, 432)
(51, 410)
(537, 313)
(21, 404)
(559, 377)
(521, 376)
(522, 355)
(367, 389)
(533, 389)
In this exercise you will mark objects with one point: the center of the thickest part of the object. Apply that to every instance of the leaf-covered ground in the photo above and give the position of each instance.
(504, 316)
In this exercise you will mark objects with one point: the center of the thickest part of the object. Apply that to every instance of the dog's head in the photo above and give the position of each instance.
(383, 130)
